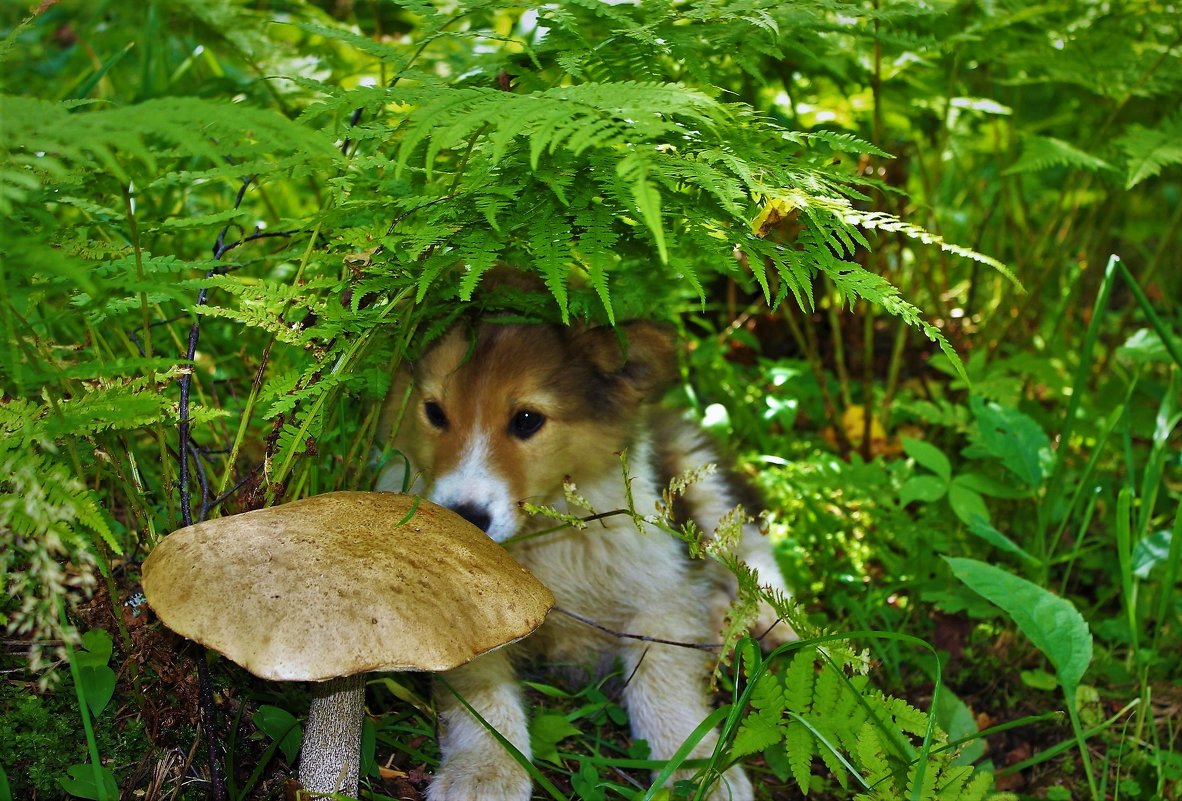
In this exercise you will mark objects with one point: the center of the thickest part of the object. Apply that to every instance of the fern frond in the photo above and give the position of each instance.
(1045, 152)
(1149, 150)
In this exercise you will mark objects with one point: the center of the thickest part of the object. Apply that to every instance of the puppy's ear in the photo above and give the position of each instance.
(640, 356)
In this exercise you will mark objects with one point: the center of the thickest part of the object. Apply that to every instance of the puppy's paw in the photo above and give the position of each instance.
(478, 776)
(733, 786)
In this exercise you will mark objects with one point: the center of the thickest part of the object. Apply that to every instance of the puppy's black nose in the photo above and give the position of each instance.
(476, 515)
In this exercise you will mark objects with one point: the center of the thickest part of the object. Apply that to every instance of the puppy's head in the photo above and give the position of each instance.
(500, 414)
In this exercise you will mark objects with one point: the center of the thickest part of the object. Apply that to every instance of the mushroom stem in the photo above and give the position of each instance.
(330, 759)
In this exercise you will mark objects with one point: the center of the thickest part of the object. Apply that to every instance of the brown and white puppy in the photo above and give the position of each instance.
(495, 415)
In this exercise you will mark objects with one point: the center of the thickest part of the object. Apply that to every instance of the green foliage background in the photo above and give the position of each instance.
(882, 226)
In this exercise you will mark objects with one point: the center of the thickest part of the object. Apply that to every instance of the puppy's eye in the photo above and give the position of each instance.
(526, 423)
(435, 415)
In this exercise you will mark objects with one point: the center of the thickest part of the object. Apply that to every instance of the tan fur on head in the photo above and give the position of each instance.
(640, 356)
(586, 385)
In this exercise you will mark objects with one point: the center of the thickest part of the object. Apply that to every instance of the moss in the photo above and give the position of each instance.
(42, 736)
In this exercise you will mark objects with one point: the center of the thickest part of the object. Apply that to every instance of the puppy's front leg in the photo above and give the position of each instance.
(667, 699)
(475, 766)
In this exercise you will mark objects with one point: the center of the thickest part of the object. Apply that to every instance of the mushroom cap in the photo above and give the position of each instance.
(343, 583)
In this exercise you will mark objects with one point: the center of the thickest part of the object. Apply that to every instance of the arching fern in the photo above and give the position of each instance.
(822, 707)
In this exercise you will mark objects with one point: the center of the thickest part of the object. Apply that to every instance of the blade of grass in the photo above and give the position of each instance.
(84, 710)
(681, 755)
(1150, 315)
(1166, 592)
(1079, 382)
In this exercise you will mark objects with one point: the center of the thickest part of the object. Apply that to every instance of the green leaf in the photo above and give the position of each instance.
(280, 725)
(586, 782)
(985, 530)
(545, 732)
(98, 685)
(5, 790)
(954, 717)
(987, 485)
(1039, 679)
(1151, 552)
(648, 202)
(756, 734)
(1144, 346)
(1044, 152)
(1151, 149)
(98, 649)
(1052, 623)
(81, 784)
(762, 727)
(967, 504)
(922, 488)
(1013, 437)
(369, 744)
(929, 456)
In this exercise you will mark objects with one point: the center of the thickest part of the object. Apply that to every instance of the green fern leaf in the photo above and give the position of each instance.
(763, 728)
(550, 251)
(1149, 150)
(1044, 152)
(799, 680)
(800, 745)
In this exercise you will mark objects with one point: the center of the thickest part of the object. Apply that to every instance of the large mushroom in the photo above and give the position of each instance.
(334, 586)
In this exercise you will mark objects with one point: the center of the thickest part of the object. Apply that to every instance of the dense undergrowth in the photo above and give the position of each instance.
(925, 258)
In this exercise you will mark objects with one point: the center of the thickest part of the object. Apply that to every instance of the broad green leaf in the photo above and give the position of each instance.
(967, 504)
(98, 685)
(281, 725)
(5, 790)
(929, 456)
(1151, 552)
(96, 650)
(545, 732)
(1052, 623)
(1013, 437)
(1144, 346)
(81, 784)
(922, 488)
(955, 718)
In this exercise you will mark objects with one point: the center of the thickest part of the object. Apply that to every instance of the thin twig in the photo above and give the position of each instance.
(698, 646)
(206, 711)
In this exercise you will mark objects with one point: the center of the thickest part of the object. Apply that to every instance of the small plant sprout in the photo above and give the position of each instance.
(332, 587)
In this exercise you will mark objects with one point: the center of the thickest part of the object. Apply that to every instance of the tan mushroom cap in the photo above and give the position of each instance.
(343, 583)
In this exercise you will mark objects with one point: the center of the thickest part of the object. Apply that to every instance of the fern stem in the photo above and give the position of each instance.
(808, 343)
(867, 379)
(839, 365)
(134, 230)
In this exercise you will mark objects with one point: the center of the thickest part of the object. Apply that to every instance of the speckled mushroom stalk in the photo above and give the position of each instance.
(330, 758)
